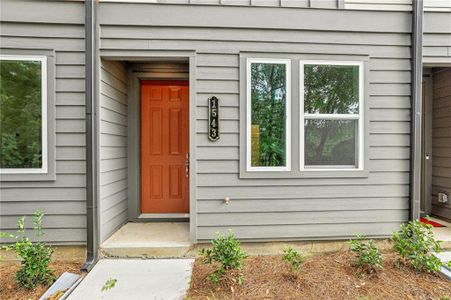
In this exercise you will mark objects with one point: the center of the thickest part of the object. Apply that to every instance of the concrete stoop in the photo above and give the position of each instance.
(149, 240)
(148, 252)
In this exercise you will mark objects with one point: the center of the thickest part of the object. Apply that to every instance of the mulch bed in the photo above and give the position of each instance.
(324, 276)
(11, 291)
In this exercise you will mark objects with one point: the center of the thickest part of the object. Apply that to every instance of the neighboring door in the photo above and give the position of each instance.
(164, 146)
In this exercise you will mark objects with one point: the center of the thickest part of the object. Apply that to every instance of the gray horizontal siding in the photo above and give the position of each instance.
(437, 37)
(58, 26)
(53, 11)
(113, 147)
(437, 5)
(257, 18)
(270, 3)
(387, 5)
(270, 209)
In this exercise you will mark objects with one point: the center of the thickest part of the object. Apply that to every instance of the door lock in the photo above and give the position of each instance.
(187, 165)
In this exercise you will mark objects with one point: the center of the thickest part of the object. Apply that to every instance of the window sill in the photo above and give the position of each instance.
(10, 177)
(351, 173)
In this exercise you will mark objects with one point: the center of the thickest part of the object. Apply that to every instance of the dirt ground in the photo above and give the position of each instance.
(11, 291)
(325, 276)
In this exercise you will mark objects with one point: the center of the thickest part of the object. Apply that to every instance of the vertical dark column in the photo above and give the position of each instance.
(416, 109)
(91, 134)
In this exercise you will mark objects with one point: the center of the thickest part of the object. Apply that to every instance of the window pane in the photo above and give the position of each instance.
(331, 89)
(330, 142)
(20, 114)
(268, 104)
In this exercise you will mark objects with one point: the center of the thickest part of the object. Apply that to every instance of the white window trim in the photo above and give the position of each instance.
(287, 63)
(44, 168)
(359, 117)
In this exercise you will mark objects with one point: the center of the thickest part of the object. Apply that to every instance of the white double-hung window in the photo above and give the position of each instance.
(331, 115)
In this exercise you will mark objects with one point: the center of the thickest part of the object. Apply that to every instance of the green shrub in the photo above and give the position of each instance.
(415, 243)
(368, 255)
(226, 255)
(293, 258)
(35, 256)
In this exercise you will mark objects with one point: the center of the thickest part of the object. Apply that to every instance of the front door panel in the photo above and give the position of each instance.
(164, 146)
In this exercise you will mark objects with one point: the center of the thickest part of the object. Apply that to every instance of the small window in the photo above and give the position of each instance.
(23, 114)
(268, 115)
(331, 113)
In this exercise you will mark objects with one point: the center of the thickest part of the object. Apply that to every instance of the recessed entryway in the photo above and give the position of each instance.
(146, 137)
(436, 146)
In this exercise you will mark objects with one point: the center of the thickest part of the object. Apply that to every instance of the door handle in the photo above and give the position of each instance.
(187, 165)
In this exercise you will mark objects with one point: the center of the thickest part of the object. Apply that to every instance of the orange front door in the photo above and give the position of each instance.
(164, 146)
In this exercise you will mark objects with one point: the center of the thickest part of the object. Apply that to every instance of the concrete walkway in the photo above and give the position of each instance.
(153, 279)
(443, 233)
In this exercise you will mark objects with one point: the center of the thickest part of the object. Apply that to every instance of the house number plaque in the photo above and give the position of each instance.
(213, 118)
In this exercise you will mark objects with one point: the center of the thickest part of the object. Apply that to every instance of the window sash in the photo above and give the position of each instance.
(44, 145)
(308, 116)
(249, 167)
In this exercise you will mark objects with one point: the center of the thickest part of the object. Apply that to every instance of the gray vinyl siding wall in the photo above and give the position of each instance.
(441, 140)
(401, 5)
(273, 3)
(271, 209)
(113, 202)
(57, 27)
(437, 38)
(437, 5)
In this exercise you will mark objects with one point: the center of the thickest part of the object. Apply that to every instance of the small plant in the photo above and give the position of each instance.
(293, 258)
(415, 243)
(368, 255)
(35, 255)
(109, 284)
(227, 255)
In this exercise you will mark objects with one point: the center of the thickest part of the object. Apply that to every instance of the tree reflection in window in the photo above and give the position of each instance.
(331, 108)
(20, 114)
(330, 142)
(268, 105)
(331, 89)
